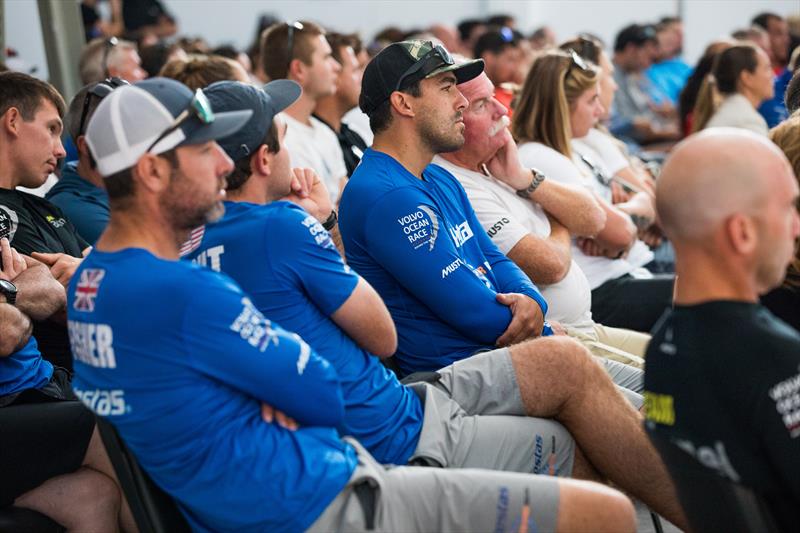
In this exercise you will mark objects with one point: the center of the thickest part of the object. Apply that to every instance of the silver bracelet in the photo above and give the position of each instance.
(537, 180)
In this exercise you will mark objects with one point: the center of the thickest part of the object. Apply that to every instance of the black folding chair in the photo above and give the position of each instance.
(713, 502)
(153, 510)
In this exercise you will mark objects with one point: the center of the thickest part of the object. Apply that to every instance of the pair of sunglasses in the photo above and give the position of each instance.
(291, 27)
(100, 90)
(198, 107)
(437, 57)
(576, 61)
(111, 42)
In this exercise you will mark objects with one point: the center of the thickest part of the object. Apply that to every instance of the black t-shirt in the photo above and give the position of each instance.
(32, 224)
(784, 302)
(723, 378)
(353, 145)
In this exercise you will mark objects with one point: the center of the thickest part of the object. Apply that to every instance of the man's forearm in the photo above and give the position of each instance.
(39, 295)
(576, 209)
(15, 329)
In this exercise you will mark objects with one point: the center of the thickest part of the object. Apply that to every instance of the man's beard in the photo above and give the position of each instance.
(441, 140)
(182, 209)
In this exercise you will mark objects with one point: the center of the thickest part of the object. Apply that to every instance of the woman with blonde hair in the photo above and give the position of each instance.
(561, 100)
(784, 302)
(740, 79)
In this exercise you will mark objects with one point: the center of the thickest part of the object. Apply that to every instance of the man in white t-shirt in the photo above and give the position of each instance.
(299, 51)
(533, 229)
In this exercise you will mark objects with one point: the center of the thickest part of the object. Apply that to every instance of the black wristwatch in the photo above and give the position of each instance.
(330, 222)
(9, 290)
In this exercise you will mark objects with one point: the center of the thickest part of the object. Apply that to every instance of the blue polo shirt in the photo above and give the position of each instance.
(83, 203)
(419, 243)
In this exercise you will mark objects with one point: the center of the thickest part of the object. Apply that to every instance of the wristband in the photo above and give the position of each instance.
(537, 180)
(330, 222)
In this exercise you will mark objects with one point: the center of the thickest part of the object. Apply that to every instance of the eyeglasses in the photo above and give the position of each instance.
(111, 42)
(199, 107)
(437, 57)
(291, 26)
(576, 61)
(100, 90)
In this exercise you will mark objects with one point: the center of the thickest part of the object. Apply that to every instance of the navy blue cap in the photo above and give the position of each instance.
(274, 97)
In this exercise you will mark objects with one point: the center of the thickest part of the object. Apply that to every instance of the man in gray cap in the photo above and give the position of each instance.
(195, 397)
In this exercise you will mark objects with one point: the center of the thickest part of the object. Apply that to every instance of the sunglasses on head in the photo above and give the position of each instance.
(576, 61)
(291, 27)
(100, 90)
(437, 57)
(110, 43)
(198, 107)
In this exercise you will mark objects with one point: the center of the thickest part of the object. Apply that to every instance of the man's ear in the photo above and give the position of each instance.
(261, 161)
(742, 234)
(297, 71)
(152, 173)
(82, 146)
(11, 121)
(402, 103)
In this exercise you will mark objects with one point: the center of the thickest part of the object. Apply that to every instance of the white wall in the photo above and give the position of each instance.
(234, 20)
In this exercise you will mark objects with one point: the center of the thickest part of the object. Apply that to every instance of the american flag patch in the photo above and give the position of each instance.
(86, 290)
(194, 240)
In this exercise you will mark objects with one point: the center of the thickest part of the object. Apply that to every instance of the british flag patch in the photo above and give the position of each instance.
(86, 290)
(194, 240)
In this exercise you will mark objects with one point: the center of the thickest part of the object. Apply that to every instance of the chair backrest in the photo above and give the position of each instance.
(153, 509)
(711, 501)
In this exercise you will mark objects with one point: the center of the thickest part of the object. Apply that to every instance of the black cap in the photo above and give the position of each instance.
(386, 69)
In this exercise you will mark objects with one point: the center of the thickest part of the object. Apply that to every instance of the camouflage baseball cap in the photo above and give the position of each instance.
(401, 64)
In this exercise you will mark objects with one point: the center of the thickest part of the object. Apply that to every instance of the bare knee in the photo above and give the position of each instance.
(96, 497)
(559, 362)
(587, 506)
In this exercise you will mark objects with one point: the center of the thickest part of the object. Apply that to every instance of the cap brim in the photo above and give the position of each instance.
(463, 71)
(282, 94)
(224, 124)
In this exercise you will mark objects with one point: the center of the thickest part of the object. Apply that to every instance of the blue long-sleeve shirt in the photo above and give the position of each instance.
(420, 245)
(180, 361)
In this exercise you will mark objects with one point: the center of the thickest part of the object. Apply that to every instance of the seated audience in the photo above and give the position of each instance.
(298, 51)
(560, 102)
(690, 92)
(777, 29)
(533, 228)
(722, 371)
(108, 58)
(155, 56)
(502, 54)
(639, 111)
(260, 424)
(332, 109)
(200, 70)
(80, 193)
(740, 79)
(52, 459)
(784, 301)
(308, 289)
(30, 147)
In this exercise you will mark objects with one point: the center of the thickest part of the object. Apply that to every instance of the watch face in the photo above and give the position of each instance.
(7, 286)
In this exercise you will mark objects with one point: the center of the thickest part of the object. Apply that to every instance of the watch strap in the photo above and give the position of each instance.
(536, 180)
(330, 222)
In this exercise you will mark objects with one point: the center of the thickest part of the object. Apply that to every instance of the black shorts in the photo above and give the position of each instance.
(41, 437)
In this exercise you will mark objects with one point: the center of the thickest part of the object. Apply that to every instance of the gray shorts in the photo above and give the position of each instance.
(474, 418)
(407, 499)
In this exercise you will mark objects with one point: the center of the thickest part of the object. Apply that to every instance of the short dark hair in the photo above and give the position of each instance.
(762, 19)
(342, 40)
(26, 93)
(465, 28)
(792, 95)
(274, 49)
(381, 116)
(243, 168)
(635, 34)
(72, 120)
(500, 19)
(496, 40)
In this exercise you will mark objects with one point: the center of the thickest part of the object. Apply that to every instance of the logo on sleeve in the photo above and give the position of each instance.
(786, 396)
(321, 236)
(86, 289)
(420, 227)
(56, 222)
(461, 234)
(253, 327)
(497, 226)
(9, 222)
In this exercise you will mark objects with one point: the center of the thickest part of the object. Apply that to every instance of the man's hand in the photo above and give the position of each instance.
(592, 248)
(527, 319)
(13, 262)
(310, 193)
(505, 165)
(269, 413)
(62, 266)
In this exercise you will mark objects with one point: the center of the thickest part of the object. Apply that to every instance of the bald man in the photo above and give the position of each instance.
(721, 374)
